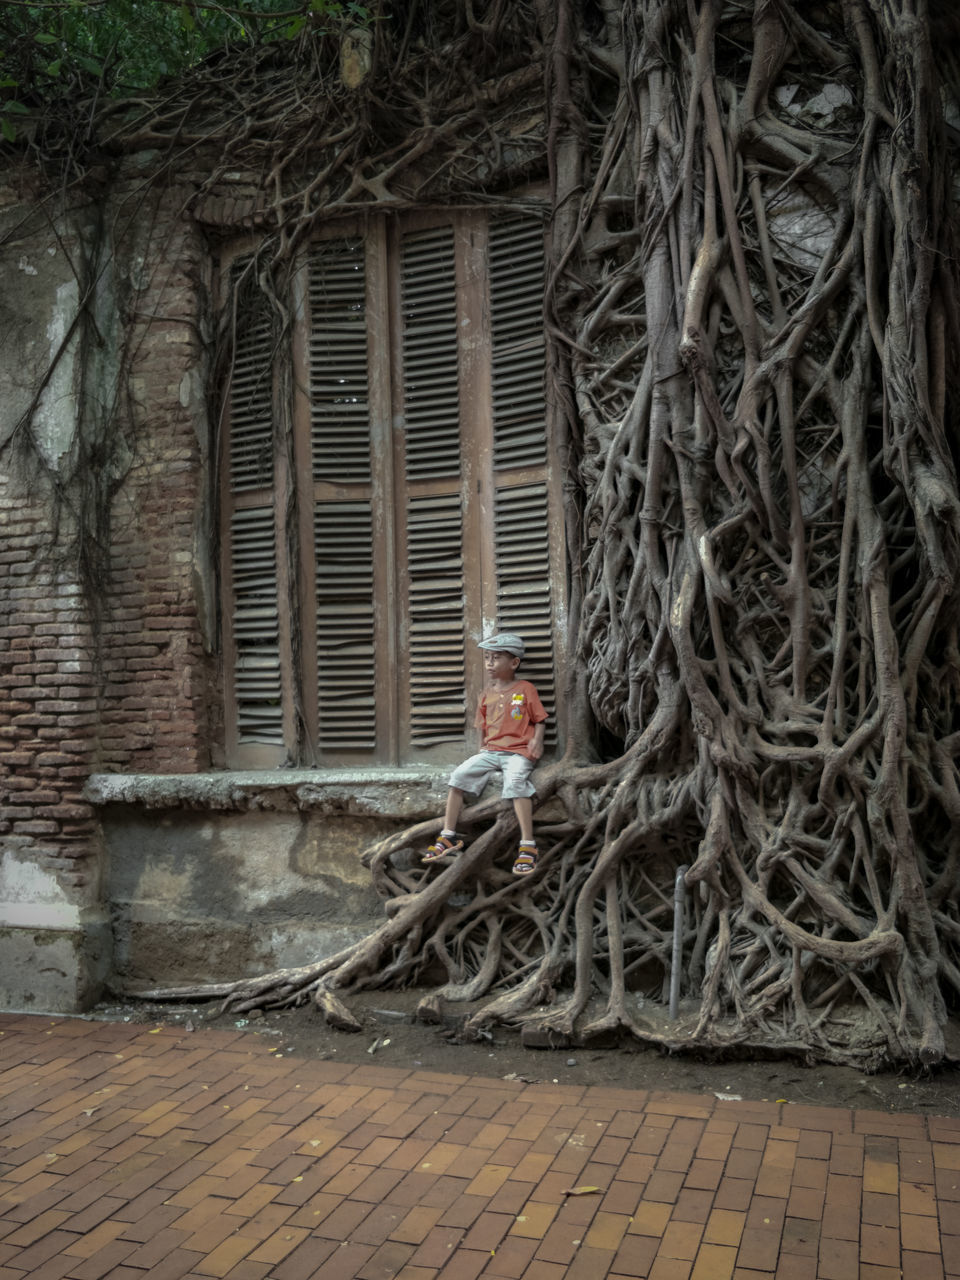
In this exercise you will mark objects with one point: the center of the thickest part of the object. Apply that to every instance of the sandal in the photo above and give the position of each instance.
(526, 860)
(440, 848)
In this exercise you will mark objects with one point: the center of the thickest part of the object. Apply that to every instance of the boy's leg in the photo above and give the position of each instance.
(523, 808)
(518, 786)
(452, 812)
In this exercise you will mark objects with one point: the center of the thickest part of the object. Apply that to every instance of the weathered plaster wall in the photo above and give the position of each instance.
(101, 358)
(211, 877)
(198, 897)
(54, 945)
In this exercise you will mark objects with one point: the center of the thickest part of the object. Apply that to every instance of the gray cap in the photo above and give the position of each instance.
(504, 643)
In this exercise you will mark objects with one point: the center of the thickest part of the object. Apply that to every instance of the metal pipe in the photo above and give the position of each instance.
(679, 903)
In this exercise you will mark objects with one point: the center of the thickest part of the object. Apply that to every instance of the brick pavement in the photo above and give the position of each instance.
(129, 1151)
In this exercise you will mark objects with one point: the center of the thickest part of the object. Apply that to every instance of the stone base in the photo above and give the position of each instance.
(220, 876)
(50, 970)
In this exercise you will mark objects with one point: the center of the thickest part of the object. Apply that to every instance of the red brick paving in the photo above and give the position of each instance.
(128, 1152)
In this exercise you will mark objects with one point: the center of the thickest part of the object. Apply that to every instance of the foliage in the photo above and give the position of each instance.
(64, 49)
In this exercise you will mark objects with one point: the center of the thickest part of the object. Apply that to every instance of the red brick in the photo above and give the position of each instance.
(466, 1264)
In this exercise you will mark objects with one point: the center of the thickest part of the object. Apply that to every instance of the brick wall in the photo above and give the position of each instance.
(134, 692)
(47, 699)
(158, 675)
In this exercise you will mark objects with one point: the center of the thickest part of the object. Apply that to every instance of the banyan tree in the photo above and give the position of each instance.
(751, 317)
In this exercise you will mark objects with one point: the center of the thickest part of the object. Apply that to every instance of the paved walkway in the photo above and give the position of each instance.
(130, 1151)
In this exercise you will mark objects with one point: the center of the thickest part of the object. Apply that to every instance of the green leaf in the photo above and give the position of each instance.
(90, 64)
(16, 107)
(44, 37)
(186, 17)
(293, 28)
(7, 83)
(7, 129)
(53, 68)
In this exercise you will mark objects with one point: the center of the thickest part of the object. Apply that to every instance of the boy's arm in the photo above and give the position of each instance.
(536, 743)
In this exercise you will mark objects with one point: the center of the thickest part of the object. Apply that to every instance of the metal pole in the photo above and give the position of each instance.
(679, 902)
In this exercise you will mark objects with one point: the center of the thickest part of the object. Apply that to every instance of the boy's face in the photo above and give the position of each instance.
(499, 664)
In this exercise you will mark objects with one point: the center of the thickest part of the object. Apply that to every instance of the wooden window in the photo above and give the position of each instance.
(408, 509)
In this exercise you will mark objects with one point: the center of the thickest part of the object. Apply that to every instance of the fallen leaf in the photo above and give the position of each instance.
(583, 1191)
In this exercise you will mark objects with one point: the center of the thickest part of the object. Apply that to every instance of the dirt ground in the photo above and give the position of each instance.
(391, 1035)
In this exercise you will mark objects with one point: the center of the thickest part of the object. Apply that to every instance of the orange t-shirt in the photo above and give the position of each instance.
(507, 717)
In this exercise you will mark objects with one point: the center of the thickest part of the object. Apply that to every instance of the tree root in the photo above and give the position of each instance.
(764, 523)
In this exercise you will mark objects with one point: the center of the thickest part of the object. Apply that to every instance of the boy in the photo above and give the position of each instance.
(511, 719)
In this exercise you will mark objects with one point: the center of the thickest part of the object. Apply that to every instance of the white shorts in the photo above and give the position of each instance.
(474, 774)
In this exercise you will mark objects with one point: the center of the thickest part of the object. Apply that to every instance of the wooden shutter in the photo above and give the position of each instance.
(339, 379)
(255, 674)
(418, 477)
(433, 513)
(517, 343)
(435, 570)
(250, 447)
(431, 389)
(339, 382)
(257, 681)
(345, 626)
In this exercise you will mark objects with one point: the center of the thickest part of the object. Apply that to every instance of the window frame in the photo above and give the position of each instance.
(390, 491)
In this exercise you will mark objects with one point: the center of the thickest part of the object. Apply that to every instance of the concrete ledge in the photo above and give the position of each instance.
(407, 794)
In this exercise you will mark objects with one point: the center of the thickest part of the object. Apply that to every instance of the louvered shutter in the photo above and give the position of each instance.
(339, 396)
(435, 568)
(434, 520)
(343, 527)
(345, 626)
(415, 490)
(431, 390)
(251, 387)
(257, 682)
(256, 669)
(517, 342)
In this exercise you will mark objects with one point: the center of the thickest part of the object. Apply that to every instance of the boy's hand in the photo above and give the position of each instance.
(536, 743)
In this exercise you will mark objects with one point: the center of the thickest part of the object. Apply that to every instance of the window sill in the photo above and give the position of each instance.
(399, 792)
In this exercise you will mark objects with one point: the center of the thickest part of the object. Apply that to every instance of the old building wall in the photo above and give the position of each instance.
(127, 858)
(105, 664)
(53, 933)
(158, 672)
